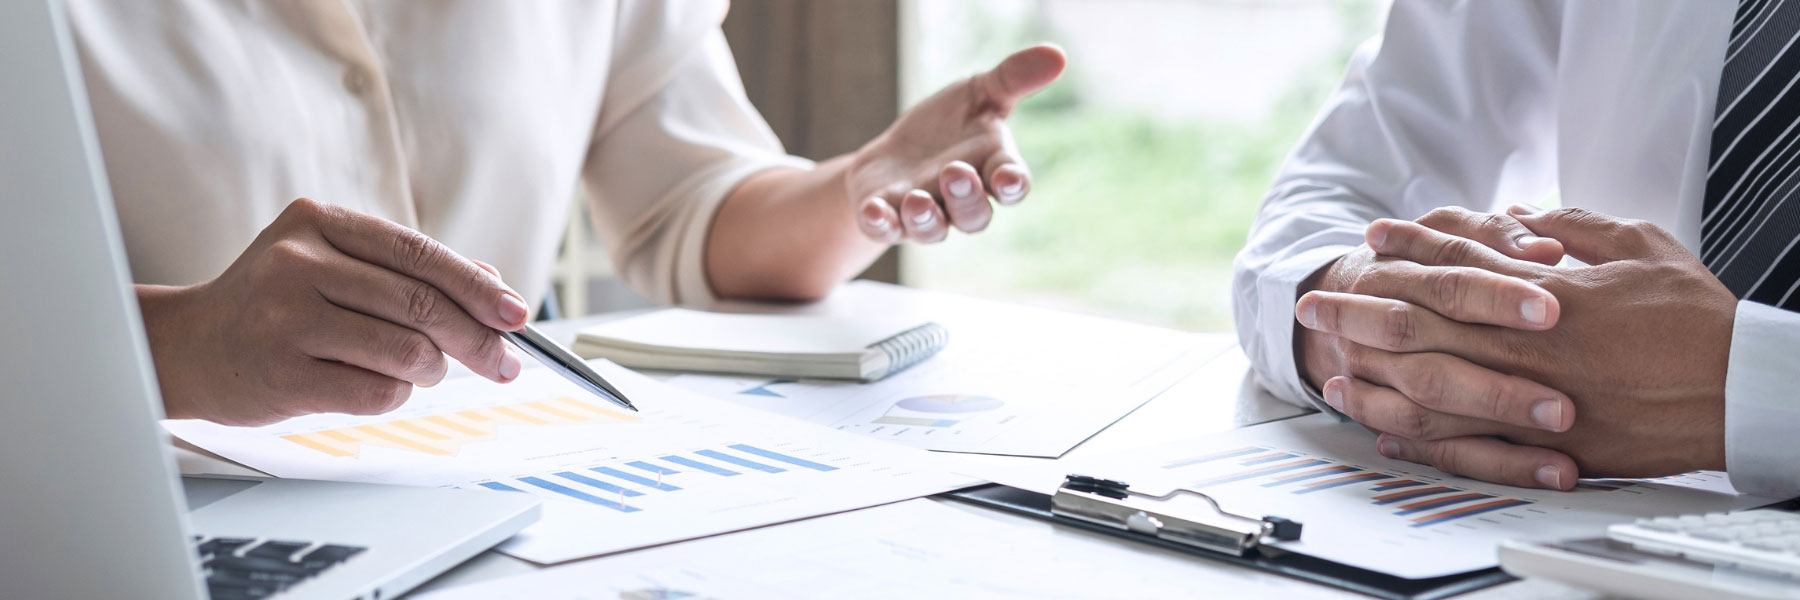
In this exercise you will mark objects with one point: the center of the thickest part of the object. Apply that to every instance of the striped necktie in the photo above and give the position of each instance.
(1752, 216)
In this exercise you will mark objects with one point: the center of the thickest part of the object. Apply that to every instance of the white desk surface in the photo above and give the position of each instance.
(1220, 395)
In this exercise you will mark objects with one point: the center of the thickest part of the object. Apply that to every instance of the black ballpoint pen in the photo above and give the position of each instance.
(563, 361)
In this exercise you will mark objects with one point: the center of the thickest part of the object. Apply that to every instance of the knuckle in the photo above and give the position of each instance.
(1426, 384)
(1640, 234)
(1357, 361)
(1400, 328)
(383, 397)
(1494, 398)
(1495, 222)
(1414, 422)
(291, 254)
(417, 355)
(305, 208)
(424, 305)
(1441, 216)
(1374, 280)
(1573, 214)
(1454, 251)
(415, 251)
(1446, 457)
(1448, 290)
(486, 347)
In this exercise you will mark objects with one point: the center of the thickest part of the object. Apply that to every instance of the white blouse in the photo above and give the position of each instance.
(470, 121)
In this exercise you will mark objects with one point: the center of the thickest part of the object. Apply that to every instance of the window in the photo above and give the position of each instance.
(1149, 158)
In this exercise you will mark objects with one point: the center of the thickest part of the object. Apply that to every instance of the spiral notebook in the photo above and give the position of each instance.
(788, 346)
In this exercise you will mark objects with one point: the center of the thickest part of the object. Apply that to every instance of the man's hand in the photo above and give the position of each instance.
(328, 310)
(1641, 345)
(1356, 358)
(939, 163)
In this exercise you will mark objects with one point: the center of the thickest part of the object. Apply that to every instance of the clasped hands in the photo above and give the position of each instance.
(1459, 339)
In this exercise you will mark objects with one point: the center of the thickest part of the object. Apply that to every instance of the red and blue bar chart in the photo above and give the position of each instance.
(1421, 503)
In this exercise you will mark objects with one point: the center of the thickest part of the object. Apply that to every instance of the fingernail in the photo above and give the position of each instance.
(1525, 241)
(961, 188)
(1334, 396)
(1523, 209)
(1388, 447)
(509, 366)
(512, 310)
(1309, 314)
(1534, 310)
(924, 219)
(882, 225)
(1548, 414)
(1010, 193)
(1377, 236)
(1550, 476)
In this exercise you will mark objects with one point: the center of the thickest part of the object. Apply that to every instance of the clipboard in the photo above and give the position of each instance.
(1111, 508)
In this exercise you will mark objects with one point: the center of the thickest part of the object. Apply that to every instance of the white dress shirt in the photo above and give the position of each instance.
(471, 121)
(1608, 105)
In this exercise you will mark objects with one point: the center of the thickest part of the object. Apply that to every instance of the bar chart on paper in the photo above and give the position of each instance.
(446, 433)
(685, 467)
(616, 486)
(1414, 500)
(1363, 509)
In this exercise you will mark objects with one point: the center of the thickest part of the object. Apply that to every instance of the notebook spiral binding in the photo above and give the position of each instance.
(909, 347)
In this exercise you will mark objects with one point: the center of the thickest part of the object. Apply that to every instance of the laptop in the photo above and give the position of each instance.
(90, 504)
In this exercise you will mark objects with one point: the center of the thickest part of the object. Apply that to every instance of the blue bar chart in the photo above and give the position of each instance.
(617, 486)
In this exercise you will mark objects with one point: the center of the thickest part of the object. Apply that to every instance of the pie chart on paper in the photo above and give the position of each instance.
(949, 403)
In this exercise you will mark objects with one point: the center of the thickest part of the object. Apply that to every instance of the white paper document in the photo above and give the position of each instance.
(1013, 380)
(1362, 509)
(687, 466)
(915, 549)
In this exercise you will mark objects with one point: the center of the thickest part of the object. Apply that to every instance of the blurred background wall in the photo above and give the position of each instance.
(1149, 158)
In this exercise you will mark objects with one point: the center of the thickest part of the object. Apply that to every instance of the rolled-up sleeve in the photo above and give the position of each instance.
(676, 134)
(1453, 106)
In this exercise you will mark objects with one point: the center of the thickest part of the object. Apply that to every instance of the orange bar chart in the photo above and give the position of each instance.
(445, 434)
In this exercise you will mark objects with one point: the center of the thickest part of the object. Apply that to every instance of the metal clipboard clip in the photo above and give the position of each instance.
(1110, 503)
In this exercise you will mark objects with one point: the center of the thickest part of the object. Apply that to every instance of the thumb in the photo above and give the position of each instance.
(1024, 72)
(1590, 237)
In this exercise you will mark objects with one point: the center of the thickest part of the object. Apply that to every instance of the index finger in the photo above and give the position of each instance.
(1499, 231)
(391, 246)
(1466, 294)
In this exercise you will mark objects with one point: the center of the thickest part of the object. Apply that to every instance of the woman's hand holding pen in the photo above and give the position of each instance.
(328, 310)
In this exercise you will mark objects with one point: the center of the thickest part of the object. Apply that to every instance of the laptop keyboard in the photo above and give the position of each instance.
(259, 568)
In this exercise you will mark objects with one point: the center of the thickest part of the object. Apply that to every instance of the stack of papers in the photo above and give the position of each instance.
(916, 549)
(685, 467)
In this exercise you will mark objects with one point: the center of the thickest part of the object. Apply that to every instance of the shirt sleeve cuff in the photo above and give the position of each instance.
(691, 285)
(1761, 413)
(1278, 290)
